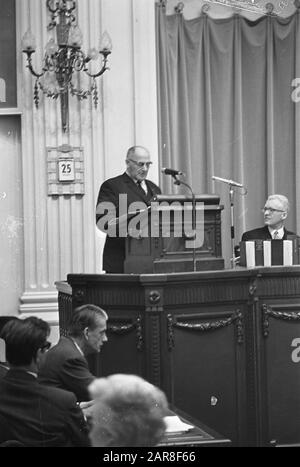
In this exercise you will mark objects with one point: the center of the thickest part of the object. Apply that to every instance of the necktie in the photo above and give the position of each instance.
(138, 184)
(275, 235)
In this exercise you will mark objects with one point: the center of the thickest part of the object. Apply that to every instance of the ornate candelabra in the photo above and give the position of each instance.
(64, 59)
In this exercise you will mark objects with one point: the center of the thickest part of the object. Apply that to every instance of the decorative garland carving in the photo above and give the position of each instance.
(120, 328)
(170, 333)
(126, 328)
(239, 327)
(282, 315)
(236, 318)
(139, 334)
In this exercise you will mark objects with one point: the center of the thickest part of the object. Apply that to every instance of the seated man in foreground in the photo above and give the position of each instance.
(65, 365)
(275, 213)
(34, 414)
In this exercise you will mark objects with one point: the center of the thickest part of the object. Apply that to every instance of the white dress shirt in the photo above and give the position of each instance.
(279, 231)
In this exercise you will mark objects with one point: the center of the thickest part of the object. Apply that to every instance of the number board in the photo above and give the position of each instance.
(65, 167)
(66, 170)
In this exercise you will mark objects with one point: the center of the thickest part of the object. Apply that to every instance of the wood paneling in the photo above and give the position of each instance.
(224, 345)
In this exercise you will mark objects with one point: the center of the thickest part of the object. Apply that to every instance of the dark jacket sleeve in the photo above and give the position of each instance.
(76, 425)
(76, 377)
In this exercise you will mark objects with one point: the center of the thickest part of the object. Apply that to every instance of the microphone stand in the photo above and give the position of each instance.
(180, 182)
(231, 199)
(231, 184)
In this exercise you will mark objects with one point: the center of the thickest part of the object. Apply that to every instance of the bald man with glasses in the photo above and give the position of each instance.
(134, 184)
(275, 213)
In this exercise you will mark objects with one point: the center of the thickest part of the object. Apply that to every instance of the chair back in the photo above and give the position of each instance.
(12, 443)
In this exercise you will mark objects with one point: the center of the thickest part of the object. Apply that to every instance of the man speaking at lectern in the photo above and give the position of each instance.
(134, 185)
(275, 213)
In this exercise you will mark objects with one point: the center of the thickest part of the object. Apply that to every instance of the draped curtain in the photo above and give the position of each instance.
(226, 109)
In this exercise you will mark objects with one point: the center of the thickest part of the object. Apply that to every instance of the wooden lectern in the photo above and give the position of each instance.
(176, 234)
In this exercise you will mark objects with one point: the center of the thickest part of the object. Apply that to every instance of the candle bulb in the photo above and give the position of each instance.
(105, 43)
(28, 42)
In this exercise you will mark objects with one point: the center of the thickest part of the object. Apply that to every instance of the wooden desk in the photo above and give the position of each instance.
(200, 435)
(223, 345)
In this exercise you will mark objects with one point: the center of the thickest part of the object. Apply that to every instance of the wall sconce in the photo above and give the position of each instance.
(64, 59)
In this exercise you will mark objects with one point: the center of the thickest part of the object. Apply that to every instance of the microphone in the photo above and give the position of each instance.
(171, 172)
(225, 180)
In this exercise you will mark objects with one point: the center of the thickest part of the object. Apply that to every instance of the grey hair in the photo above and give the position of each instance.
(283, 201)
(127, 411)
(85, 316)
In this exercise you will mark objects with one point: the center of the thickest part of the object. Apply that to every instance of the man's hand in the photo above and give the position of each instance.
(87, 408)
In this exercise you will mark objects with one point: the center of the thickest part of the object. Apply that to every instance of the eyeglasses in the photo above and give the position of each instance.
(141, 164)
(271, 210)
(45, 346)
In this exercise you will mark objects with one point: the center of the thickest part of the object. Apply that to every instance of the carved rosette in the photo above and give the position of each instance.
(79, 296)
(154, 297)
(236, 318)
(154, 301)
(268, 311)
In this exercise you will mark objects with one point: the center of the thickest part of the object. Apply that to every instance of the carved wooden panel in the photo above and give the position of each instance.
(223, 345)
(204, 346)
(279, 379)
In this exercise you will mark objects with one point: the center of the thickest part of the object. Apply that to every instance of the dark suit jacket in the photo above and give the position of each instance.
(3, 369)
(38, 415)
(65, 368)
(114, 248)
(262, 234)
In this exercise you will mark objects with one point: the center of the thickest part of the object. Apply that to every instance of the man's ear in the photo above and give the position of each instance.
(86, 333)
(284, 215)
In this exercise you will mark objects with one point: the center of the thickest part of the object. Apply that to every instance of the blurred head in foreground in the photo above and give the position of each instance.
(128, 411)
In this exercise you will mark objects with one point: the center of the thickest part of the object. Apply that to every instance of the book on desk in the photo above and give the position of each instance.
(183, 430)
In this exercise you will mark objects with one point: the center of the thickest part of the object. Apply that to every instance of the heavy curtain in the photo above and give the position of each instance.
(228, 107)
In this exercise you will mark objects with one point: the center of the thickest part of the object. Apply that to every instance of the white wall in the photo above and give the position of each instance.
(11, 215)
(60, 236)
